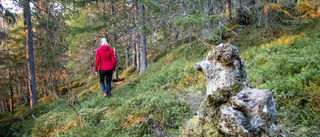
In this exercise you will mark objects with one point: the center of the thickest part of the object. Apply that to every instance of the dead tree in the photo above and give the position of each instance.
(236, 108)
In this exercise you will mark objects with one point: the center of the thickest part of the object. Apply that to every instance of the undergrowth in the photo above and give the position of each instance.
(151, 104)
(289, 67)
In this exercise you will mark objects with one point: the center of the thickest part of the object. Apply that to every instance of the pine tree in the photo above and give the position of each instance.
(29, 54)
(143, 48)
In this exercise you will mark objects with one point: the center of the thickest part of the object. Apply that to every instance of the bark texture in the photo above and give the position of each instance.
(127, 55)
(116, 71)
(143, 48)
(207, 10)
(231, 105)
(228, 10)
(29, 54)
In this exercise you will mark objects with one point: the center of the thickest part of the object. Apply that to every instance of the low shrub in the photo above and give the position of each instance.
(54, 122)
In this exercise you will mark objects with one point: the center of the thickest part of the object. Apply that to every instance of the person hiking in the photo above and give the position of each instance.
(105, 63)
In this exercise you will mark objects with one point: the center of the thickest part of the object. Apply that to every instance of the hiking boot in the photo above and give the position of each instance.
(104, 94)
(109, 95)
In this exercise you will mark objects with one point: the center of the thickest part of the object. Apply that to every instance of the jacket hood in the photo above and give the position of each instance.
(104, 47)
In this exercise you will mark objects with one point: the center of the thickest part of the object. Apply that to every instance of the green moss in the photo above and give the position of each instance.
(198, 128)
(217, 98)
(54, 122)
(93, 116)
(85, 95)
(4, 116)
(125, 73)
(288, 71)
(236, 88)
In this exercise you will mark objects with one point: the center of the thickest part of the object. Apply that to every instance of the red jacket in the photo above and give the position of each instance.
(105, 59)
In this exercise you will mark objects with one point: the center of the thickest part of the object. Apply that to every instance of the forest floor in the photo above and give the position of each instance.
(163, 98)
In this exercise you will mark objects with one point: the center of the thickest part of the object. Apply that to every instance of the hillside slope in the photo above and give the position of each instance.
(162, 99)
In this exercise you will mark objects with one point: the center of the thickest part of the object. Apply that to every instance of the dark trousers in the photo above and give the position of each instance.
(105, 75)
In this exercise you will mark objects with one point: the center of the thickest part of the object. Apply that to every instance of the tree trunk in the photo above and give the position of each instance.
(127, 56)
(11, 100)
(143, 51)
(228, 10)
(47, 87)
(3, 105)
(7, 104)
(241, 16)
(273, 1)
(117, 67)
(43, 87)
(134, 54)
(251, 109)
(54, 86)
(22, 94)
(134, 42)
(114, 40)
(9, 73)
(207, 10)
(29, 54)
(175, 36)
(138, 56)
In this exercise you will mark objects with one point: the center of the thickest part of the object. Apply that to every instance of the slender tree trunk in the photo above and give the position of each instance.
(114, 41)
(9, 73)
(138, 56)
(117, 67)
(143, 48)
(22, 94)
(11, 100)
(26, 89)
(29, 54)
(134, 54)
(175, 36)
(127, 56)
(228, 10)
(207, 10)
(54, 87)
(3, 105)
(134, 40)
(7, 104)
(43, 87)
(240, 15)
(47, 87)
(273, 1)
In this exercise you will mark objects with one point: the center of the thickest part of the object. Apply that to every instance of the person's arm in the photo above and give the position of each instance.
(97, 61)
(113, 59)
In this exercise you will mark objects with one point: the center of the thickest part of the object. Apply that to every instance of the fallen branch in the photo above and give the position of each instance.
(244, 6)
(205, 43)
(228, 29)
(74, 109)
(68, 101)
(75, 99)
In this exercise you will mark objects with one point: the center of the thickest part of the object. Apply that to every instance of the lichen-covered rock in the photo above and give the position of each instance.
(230, 105)
(223, 68)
